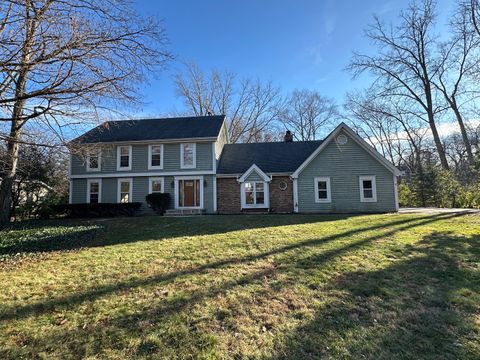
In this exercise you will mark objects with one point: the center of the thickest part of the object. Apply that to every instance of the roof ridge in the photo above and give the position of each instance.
(166, 118)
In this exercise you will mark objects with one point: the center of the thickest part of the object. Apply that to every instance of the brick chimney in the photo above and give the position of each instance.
(288, 136)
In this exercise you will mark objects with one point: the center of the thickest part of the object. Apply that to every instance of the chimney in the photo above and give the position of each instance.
(288, 136)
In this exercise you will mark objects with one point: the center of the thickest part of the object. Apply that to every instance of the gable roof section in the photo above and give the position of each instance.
(254, 168)
(273, 157)
(154, 129)
(375, 154)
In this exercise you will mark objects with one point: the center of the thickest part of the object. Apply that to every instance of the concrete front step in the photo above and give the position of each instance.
(183, 212)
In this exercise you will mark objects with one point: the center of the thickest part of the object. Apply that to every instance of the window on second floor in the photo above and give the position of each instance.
(93, 161)
(124, 157)
(188, 154)
(155, 156)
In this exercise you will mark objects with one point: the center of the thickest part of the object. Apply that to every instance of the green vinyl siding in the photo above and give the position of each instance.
(254, 177)
(344, 164)
(139, 190)
(109, 190)
(79, 191)
(171, 160)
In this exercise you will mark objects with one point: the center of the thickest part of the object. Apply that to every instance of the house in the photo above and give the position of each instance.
(191, 159)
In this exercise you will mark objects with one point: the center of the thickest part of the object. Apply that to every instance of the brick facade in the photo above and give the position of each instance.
(228, 195)
(281, 201)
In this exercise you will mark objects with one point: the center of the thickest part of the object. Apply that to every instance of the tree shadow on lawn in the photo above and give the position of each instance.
(404, 224)
(112, 332)
(423, 307)
(40, 235)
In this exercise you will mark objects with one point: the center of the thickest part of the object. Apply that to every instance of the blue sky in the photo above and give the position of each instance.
(295, 44)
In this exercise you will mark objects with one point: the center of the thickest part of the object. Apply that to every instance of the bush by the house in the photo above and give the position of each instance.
(158, 202)
(98, 210)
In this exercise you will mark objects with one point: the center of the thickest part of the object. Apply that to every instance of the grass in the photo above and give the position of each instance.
(242, 287)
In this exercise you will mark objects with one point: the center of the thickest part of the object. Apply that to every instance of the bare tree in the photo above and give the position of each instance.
(251, 106)
(388, 125)
(403, 66)
(306, 112)
(458, 59)
(67, 59)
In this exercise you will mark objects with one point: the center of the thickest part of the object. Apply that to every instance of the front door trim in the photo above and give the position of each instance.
(177, 178)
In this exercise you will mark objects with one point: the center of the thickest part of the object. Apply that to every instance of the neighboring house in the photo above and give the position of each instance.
(190, 159)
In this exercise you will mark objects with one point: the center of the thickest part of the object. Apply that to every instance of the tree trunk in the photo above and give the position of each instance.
(463, 131)
(6, 187)
(438, 142)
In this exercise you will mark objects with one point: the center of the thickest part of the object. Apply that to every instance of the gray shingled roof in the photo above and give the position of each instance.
(273, 157)
(154, 129)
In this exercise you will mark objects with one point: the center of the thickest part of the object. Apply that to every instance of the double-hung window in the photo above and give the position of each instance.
(188, 154)
(155, 185)
(155, 156)
(368, 189)
(94, 191)
(124, 157)
(322, 190)
(93, 161)
(124, 190)
(254, 194)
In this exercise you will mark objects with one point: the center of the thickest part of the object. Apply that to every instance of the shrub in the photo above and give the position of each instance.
(159, 202)
(97, 210)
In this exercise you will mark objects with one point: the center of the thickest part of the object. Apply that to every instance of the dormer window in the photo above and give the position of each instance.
(124, 158)
(188, 154)
(93, 161)
(155, 156)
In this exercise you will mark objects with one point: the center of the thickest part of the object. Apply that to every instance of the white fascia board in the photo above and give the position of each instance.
(255, 168)
(357, 139)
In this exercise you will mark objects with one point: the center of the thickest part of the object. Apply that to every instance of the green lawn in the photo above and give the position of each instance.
(242, 287)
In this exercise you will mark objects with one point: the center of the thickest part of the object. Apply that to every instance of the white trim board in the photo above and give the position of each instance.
(250, 170)
(354, 137)
(129, 168)
(325, 179)
(99, 181)
(176, 179)
(194, 156)
(151, 179)
(150, 166)
(141, 174)
(119, 189)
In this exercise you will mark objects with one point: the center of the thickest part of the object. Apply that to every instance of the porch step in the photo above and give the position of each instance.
(183, 212)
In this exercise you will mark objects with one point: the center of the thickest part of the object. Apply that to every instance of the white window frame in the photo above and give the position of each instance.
(119, 189)
(194, 165)
(99, 181)
(150, 166)
(326, 179)
(99, 161)
(372, 178)
(151, 179)
(266, 196)
(176, 179)
(119, 168)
